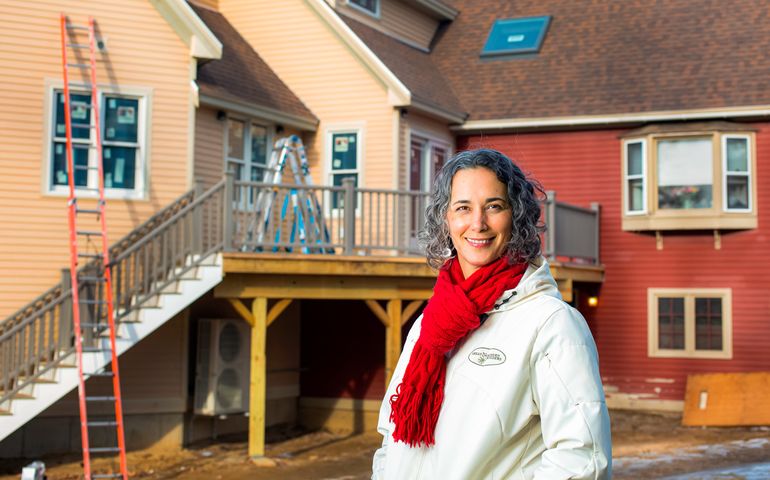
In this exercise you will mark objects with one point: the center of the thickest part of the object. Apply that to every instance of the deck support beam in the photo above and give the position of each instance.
(257, 382)
(394, 319)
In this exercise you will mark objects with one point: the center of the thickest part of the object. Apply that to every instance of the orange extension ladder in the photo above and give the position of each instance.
(101, 278)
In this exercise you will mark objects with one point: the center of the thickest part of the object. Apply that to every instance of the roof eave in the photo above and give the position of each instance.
(259, 111)
(621, 119)
(398, 94)
(190, 28)
(440, 9)
(438, 112)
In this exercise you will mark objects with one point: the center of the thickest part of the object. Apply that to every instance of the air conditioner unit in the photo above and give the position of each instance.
(222, 367)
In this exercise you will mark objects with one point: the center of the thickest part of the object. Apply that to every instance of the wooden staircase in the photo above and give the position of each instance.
(159, 269)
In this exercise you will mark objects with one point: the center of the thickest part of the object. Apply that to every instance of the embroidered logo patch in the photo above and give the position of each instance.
(486, 356)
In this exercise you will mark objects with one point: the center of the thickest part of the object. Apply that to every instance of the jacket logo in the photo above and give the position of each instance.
(486, 356)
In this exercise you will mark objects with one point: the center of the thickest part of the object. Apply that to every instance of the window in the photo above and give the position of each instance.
(636, 187)
(372, 7)
(345, 153)
(247, 148)
(689, 179)
(516, 35)
(693, 323)
(426, 157)
(122, 131)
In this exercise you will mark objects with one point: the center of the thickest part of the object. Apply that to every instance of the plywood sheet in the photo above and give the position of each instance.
(727, 399)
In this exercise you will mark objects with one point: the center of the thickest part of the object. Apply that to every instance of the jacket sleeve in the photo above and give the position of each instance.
(384, 426)
(567, 389)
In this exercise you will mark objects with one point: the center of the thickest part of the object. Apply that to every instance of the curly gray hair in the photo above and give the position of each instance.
(524, 195)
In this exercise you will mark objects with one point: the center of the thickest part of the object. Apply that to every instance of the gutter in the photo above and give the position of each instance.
(267, 113)
(612, 120)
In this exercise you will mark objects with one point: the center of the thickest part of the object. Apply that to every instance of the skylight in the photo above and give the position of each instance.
(516, 35)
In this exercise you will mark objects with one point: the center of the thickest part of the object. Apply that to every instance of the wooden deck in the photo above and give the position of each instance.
(393, 288)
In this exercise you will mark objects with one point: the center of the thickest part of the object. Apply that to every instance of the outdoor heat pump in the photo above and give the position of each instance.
(222, 367)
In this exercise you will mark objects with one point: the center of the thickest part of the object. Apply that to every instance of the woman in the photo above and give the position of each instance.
(499, 377)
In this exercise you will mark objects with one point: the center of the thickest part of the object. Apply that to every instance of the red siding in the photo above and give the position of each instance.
(585, 167)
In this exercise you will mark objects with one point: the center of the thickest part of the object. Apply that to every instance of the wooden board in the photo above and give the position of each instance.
(727, 399)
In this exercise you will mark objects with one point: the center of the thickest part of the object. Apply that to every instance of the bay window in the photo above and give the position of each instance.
(689, 177)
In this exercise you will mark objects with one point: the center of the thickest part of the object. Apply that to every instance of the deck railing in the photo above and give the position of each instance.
(232, 216)
(324, 219)
(572, 232)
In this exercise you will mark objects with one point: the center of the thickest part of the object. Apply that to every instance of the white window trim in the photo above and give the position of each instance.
(627, 178)
(747, 174)
(140, 190)
(359, 130)
(430, 142)
(375, 14)
(689, 351)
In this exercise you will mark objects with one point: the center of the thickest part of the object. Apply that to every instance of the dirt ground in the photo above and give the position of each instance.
(644, 446)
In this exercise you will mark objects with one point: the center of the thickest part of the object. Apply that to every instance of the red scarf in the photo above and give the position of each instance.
(452, 312)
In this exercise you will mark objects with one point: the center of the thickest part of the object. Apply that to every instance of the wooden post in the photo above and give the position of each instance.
(257, 384)
(392, 338)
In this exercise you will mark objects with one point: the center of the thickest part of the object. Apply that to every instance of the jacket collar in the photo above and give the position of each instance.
(537, 280)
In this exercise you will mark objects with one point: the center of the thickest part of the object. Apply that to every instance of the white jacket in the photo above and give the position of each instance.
(523, 397)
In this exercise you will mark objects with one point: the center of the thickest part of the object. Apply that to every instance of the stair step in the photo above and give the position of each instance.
(23, 396)
(99, 374)
(102, 398)
(107, 475)
(101, 423)
(103, 450)
(43, 380)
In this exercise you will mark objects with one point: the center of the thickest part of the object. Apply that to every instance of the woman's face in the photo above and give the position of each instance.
(479, 218)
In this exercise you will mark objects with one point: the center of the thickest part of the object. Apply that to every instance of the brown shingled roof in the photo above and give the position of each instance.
(413, 67)
(241, 75)
(606, 57)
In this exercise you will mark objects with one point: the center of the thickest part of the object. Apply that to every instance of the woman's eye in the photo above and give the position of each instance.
(495, 206)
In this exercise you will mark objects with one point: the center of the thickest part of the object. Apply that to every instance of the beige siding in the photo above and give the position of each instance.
(143, 52)
(397, 19)
(325, 75)
(209, 147)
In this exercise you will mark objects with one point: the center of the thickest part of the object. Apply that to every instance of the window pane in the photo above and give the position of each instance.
(80, 113)
(257, 174)
(635, 195)
(370, 5)
(121, 117)
(235, 139)
(634, 158)
(344, 150)
(737, 155)
(415, 165)
(119, 167)
(237, 169)
(338, 200)
(671, 323)
(737, 192)
(258, 145)
(685, 173)
(708, 323)
(439, 158)
(59, 174)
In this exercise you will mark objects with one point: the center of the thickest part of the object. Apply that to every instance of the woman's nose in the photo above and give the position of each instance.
(479, 221)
